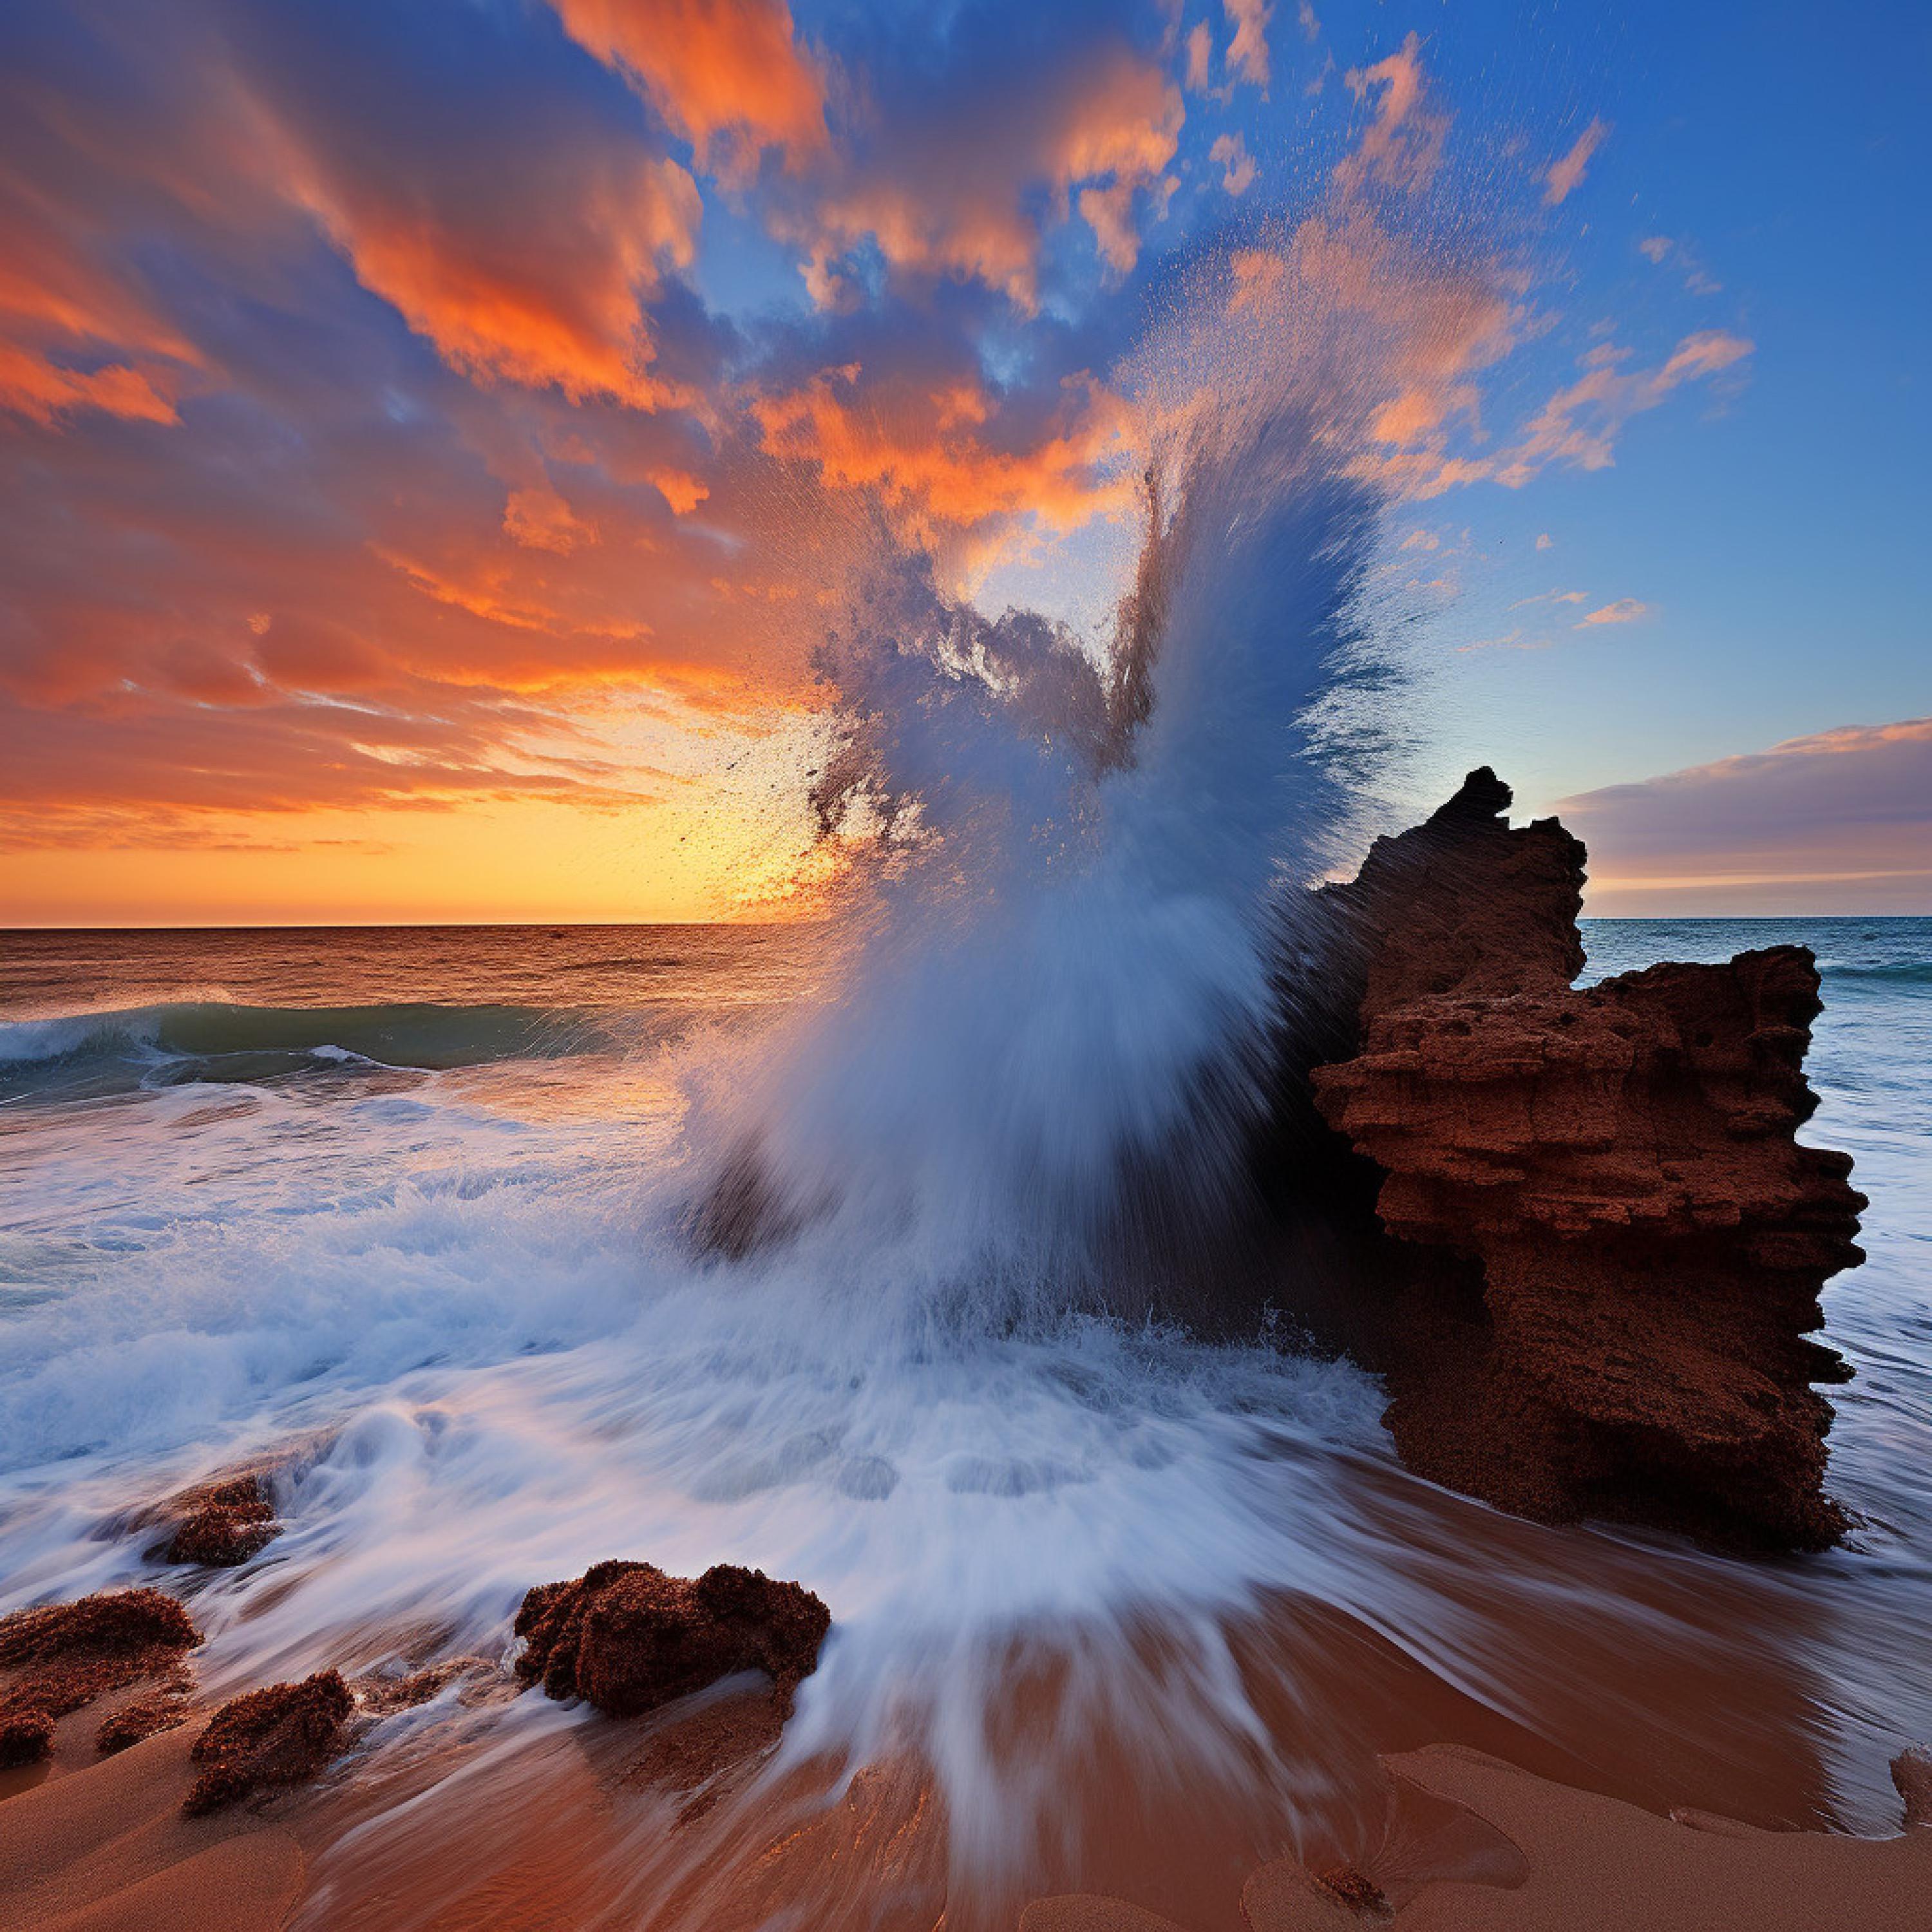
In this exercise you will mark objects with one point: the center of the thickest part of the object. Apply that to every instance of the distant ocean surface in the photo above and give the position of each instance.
(417, 1190)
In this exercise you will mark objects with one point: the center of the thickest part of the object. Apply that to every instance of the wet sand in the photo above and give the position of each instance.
(546, 1835)
(1677, 1778)
(102, 1846)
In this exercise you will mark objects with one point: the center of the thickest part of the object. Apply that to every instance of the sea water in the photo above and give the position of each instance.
(420, 1197)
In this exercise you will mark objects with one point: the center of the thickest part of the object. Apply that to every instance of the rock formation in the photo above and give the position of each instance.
(58, 1657)
(1623, 1242)
(221, 1524)
(282, 1734)
(165, 1708)
(627, 1638)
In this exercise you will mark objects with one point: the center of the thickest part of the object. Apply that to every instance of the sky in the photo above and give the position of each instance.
(432, 438)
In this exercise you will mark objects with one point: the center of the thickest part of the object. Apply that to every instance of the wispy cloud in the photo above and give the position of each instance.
(1580, 424)
(1248, 51)
(1662, 248)
(1231, 151)
(1566, 175)
(1623, 610)
(1839, 818)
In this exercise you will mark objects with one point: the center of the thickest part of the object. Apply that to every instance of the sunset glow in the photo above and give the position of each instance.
(434, 438)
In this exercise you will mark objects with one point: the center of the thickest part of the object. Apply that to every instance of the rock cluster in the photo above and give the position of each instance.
(58, 1657)
(1625, 1241)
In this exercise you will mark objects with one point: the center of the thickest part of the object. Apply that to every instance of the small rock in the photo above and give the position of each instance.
(143, 1718)
(627, 1638)
(1356, 1890)
(282, 1735)
(1911, 1776)
(26, 1732)
(221, 1524)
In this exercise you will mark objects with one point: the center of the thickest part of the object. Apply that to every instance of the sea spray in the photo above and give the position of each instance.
(1070, 859)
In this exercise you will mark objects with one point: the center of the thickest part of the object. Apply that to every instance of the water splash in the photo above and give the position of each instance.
(1071, 855)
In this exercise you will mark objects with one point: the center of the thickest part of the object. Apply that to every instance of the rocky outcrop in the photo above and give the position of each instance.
(164, 1708)
(626, 1638)
(56, 1657)
(1912, 1779)
(284, 1734)
(1625, 1241)
(221, 1524)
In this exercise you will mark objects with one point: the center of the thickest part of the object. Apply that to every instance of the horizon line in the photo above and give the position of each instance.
(592, 924)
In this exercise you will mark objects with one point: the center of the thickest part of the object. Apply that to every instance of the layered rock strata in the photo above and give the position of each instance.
(1624, 1240)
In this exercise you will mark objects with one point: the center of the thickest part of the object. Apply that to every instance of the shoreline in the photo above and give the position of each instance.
(537, 1836)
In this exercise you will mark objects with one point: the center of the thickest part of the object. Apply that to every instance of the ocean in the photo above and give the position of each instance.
(419, 1196)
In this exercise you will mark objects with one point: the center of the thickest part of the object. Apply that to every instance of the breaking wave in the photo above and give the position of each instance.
(214, 1039)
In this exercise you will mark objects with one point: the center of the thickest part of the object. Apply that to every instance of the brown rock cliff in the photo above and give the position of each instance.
(1632, 1241)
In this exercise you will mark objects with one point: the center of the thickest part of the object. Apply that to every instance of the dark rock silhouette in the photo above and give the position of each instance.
(1625, 1243)
(626, 1638)
(1912, 1779)
(26, 1733)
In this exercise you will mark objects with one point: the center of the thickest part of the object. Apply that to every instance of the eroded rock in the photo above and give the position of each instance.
(58, 1657)
(284, 1734)
(1631, 1242)
(165, 1708)
(627, 1638)
(222, 1524)
(1912, 1779)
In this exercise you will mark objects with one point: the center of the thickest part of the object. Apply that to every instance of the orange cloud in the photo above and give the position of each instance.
(1623, 610)
(953, 199)
(541, 520)
(75, 336)
(930, 456)
(1566, 174)
(682, 491)
(559, 304)
(1248, 52)
(726, 75)
(1579, 425)
(32, 386)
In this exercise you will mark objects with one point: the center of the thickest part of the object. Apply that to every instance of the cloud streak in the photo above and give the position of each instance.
(1845, 815)
(1566, 174)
